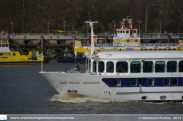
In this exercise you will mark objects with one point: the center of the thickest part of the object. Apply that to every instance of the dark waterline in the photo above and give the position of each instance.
(24, 91)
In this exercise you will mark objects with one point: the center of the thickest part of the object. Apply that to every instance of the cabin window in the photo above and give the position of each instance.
(123, 31)
(160, 49)
(120, 31)
(146, 49)
(160, 66)
(169, 49)
(141, 49)
(147, 66)
(181, 66)
(155, 49)
(101, 66)
(150, 49)
(135, 67)
(166, 82)
(174, 49)
(172, 66)
(94, 66)
(150, 82)
(163, 97)
(127, 31)
(122, 67)
(164, 49)
(3, 45)
(0, 45)
(14, 54)
(134, 31)
(117, 82)
(144, 97)
(110, 66)
(1, 54)
(6, 45)
(133, 82)
(174, 82)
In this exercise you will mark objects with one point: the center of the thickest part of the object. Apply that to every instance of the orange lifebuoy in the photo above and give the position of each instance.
(132, 35)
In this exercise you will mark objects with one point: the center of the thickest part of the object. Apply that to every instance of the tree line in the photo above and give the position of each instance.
(33, 16)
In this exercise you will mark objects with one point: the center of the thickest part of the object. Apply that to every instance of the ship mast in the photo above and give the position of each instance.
(92, 41)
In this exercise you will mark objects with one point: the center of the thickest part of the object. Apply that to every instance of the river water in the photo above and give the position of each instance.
(24, 91)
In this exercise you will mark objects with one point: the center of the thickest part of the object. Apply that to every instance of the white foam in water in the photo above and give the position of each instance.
(78, 98)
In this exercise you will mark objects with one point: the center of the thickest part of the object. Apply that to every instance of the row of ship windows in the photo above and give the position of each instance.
(125, 31)
(7, 54)
(135, 67)
(159, 49)
(150, 82)
(3, 45)
(163, 97)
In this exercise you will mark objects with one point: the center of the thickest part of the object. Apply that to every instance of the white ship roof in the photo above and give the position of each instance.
(141, 54)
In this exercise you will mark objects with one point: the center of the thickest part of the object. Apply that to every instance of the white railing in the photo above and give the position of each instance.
(159, 44)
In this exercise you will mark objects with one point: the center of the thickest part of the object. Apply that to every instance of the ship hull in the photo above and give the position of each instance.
(95, 85)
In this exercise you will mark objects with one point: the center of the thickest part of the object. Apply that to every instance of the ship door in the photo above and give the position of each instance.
(141, 84)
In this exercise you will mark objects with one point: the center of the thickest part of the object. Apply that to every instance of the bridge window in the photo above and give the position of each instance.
(94, 66)
(166, 82)
(101, 66)
(147, 66)
(127, 31)
(135, 67)
(122, 67)
(150, 82)
(172, 66)
(181, 66)
(123, 31)
(110, 66)
(174, 82)
(160, 66)
(133, 82)
(117, 82)
(120, 31)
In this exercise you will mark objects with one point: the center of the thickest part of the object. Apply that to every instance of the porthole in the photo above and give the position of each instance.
(163, 97)
(144, 97)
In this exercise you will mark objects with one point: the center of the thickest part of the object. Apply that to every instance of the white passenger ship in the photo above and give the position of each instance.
(125, 75)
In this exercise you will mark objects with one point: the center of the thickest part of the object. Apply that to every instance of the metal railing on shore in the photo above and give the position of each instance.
(87, 35)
